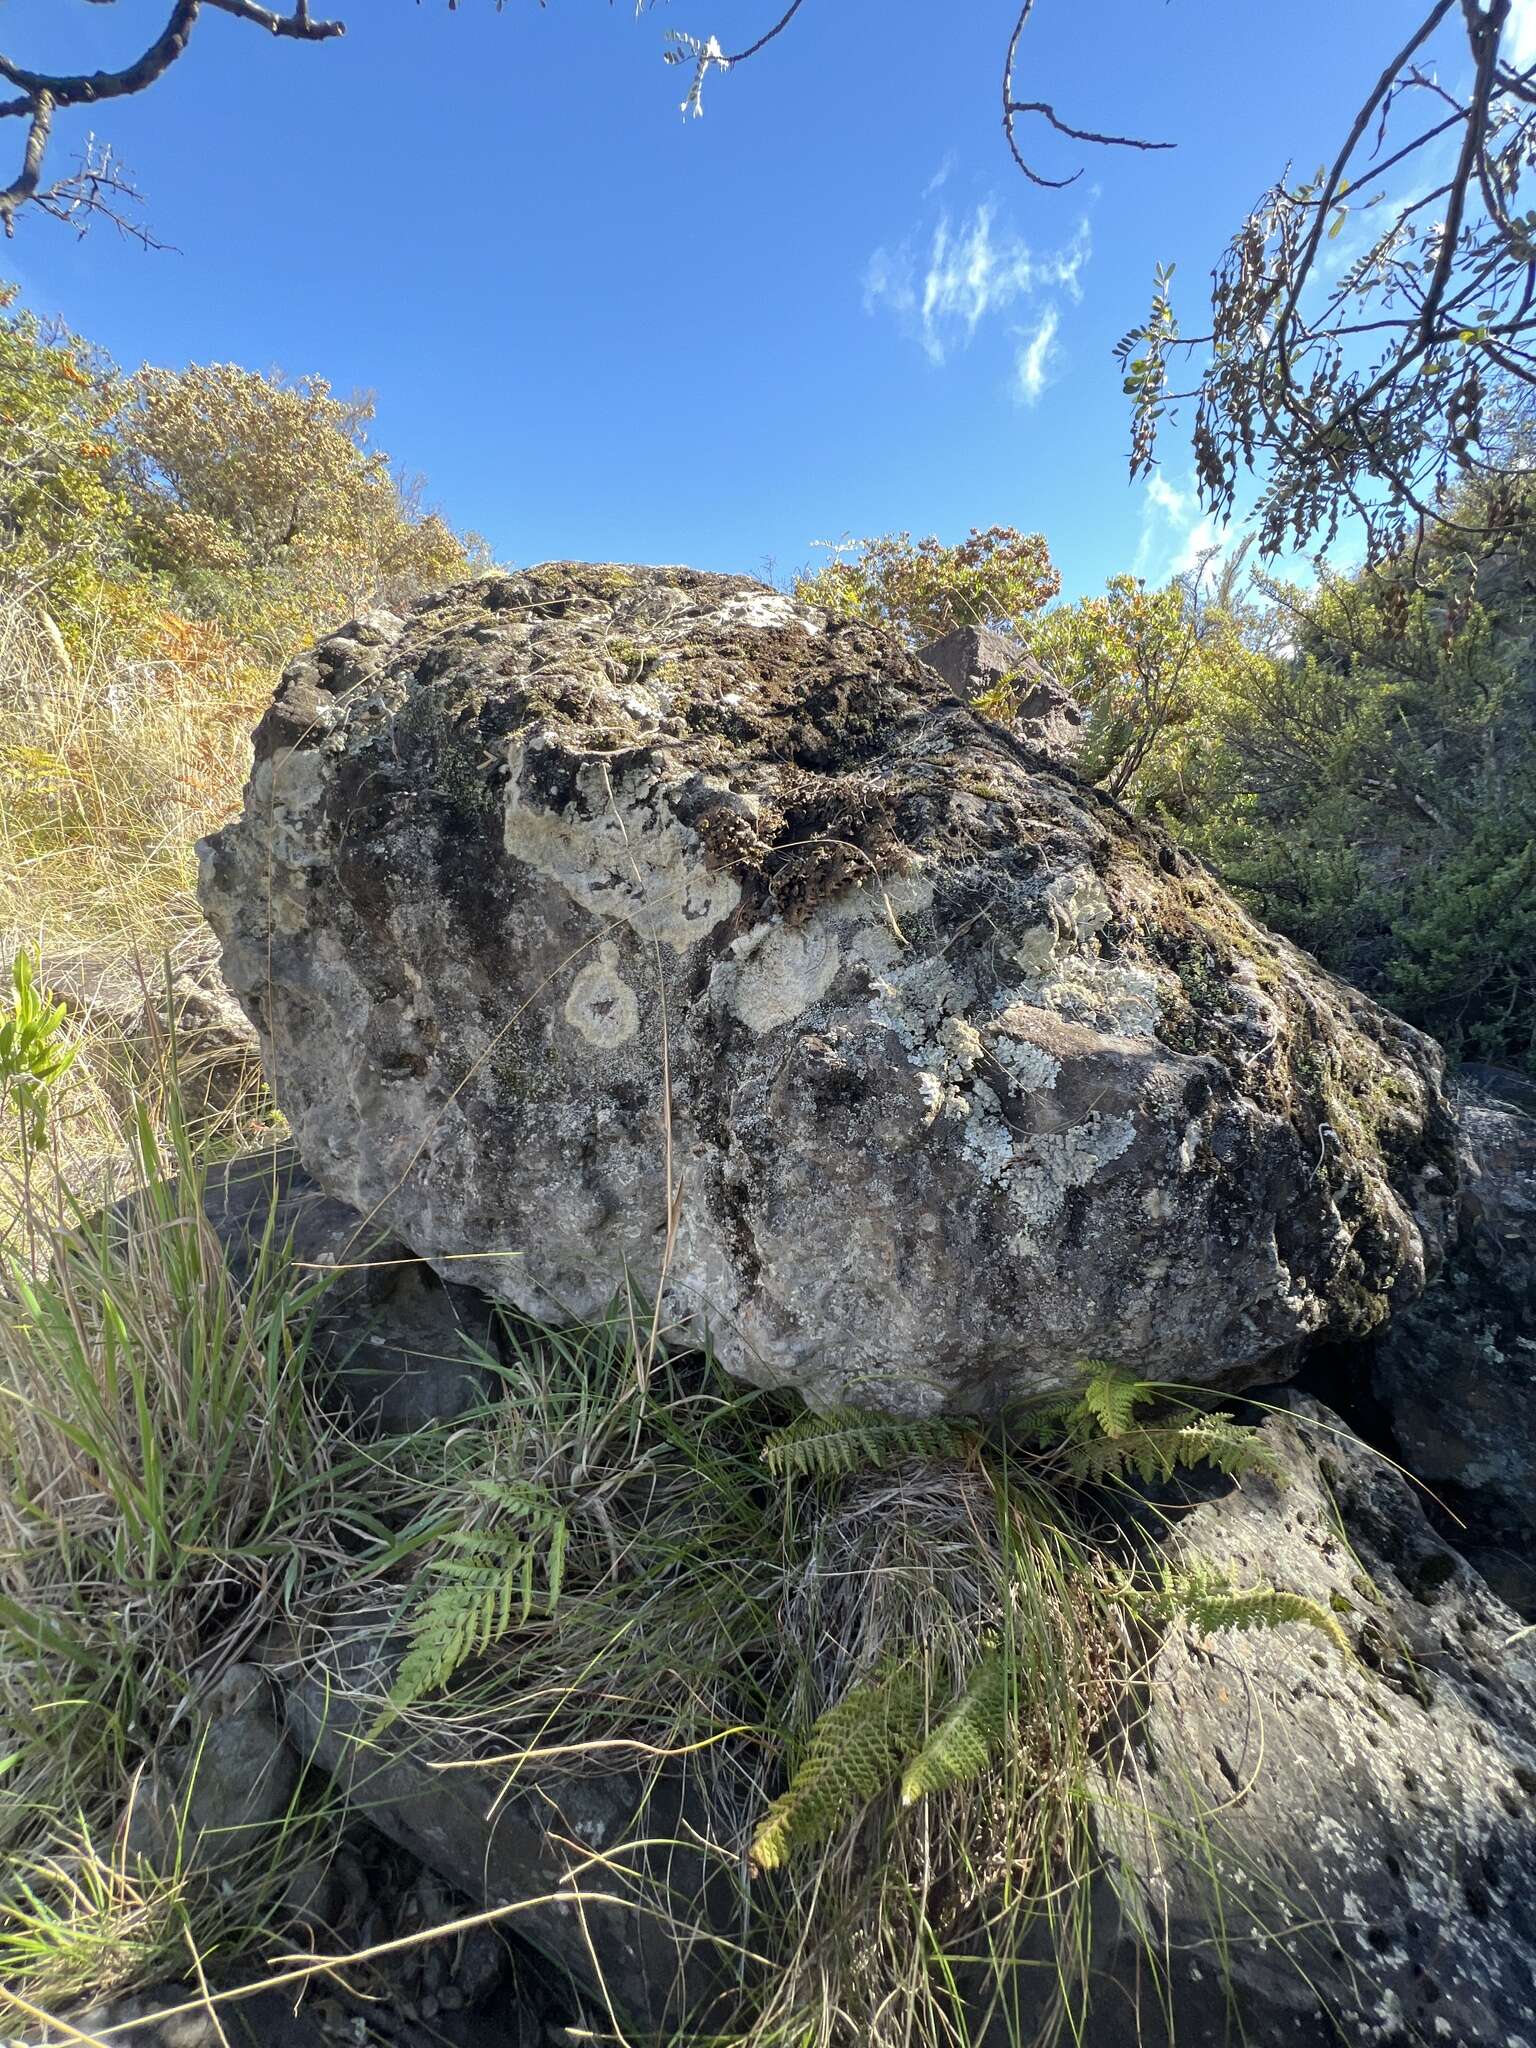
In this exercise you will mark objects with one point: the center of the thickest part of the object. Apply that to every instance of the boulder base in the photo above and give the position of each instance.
(614, 924)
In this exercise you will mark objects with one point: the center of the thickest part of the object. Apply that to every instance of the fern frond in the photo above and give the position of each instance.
(1156, 1450)
(854, 1752)
(1110, 1396)
(969, 1735)
(489, 1585)
(847, 1440)
(1210, 1604)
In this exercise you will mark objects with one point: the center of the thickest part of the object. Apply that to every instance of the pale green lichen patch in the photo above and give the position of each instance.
(1063, 968)
(613, 843)
(780, 970)
(602, 1006)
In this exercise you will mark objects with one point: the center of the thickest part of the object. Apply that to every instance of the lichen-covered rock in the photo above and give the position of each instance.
(1322, 1848)
(1455, 1374)
(607, 922)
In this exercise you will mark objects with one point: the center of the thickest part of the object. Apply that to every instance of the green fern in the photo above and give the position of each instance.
(969, 1735)
(489, 1585)
(847, 1440)
(1210, 1603)
(1110, 1397)
(1156, 1450)
(854, 1752)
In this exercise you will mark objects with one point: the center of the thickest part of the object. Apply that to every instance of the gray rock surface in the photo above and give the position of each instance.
(1455, 1373)
(391, 1338)
(974, 660)
(226, 1798)
(605, 922)
(1372, 1821)
(536, 1834)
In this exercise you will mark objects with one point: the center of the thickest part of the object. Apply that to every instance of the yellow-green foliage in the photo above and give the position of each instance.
(970, 1734)
(1156, 1451)
(1101, 1435)
(63, 513)
(1211, 1603)
(924, 589)
(33, 1053)
(821, 1446)
(261, 504)
(854, 1753)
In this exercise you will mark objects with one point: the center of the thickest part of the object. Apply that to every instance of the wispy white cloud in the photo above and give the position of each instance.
(970, 273)
(940, 177)
(1175, 534)
(1032, 367)
(888, 282)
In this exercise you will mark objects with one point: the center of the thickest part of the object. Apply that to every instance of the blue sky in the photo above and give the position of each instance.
(830, 306)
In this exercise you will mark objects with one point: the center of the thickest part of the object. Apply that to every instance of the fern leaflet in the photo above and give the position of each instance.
(847, 1440)
(854, 1752)
(1111, 1397)
(488, 1585)
(969, 1735)
(1211, 1603)
(1156, 1450)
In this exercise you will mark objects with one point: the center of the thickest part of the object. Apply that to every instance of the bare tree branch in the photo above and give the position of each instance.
(1012, 108)
(42, 94)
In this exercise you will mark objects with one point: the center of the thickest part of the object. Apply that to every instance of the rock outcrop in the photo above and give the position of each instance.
(1327, 1848)
(607, 924)
(1455, 1373)
(975, 661)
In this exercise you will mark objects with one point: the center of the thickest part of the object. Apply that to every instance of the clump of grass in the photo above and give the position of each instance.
(113, 761)
(167, 1486)
(114, 758)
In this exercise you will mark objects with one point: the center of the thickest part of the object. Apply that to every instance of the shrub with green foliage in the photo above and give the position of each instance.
(63, 511)
(923, 589)
(1372, 793)
(260, 503)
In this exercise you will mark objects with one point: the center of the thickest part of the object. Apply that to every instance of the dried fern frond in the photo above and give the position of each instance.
(854, 1753)
(969, 1735)
(845, 1440)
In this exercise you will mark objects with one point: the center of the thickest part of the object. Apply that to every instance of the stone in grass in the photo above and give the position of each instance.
(394, 1344)
(221, 1806)
(616, 923)
(621, 1882)
(974, 660)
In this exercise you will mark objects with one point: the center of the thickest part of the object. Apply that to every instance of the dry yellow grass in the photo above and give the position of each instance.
(113, 762)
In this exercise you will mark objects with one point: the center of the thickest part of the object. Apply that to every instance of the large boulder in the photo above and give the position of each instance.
(1455, 1374)
(609, 924)
(1324, 1848)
